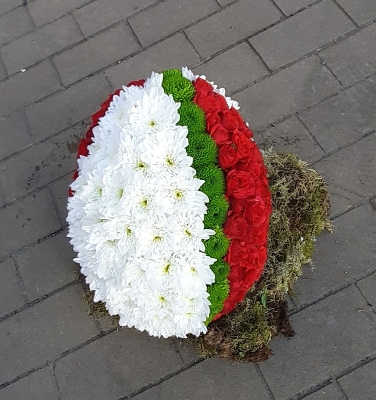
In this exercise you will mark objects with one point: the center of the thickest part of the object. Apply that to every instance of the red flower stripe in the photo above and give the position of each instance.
(246, 190)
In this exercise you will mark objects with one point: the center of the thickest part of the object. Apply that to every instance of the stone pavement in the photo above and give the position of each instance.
(304, 72)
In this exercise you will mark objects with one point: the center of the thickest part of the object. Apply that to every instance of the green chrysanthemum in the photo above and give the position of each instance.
(192, 116)
(218, 293)
(216, 246)
(214, 180)
(179, 87)
(216, 212)
(168, 73)
(202, 148)
(221, 270)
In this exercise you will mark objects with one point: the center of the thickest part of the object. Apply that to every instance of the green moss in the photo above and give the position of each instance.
(192, 116)
(202, 148)
(216, 212)
(179, 87)
(214, 180)
(216, 246)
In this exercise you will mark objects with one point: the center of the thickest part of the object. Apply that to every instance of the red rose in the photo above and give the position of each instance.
(227, 156)
(244, 146)
(231, 119)
(238, 205)
(82, 149)
(246, 131)
(136, 83)
(237, 253)
(207, 103)
(239, 184)
(236, 227)
(89, 136)
(257, 235)
(220, 135)
(212, 119)
(256, 212)
(202, 86)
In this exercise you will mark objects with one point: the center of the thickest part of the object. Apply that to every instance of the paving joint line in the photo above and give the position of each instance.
(58, 77)
(265, 382)
(345, 12)
(9, 11)
(127, 23)
(279, 8)
(330, 70)
(339, 387)
(28, 130)
(184, 33)
(270, 72)
(310, 133)
(20, 279)
(54, 202)
(51, 367)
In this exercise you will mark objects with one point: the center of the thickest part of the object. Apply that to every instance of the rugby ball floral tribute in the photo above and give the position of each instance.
(169, 207)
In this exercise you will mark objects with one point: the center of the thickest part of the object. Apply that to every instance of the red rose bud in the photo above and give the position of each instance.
(220, 135)
(239, 184)
(82, 149)
(227, 156)
(236, 227)
(244, 146)
(255, 212)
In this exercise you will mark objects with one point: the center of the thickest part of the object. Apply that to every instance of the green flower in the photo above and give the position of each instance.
(179, 87)
(216, 212)
(168, 73)
(192, 116)
(214, 180)
(218, 293)
(216, 246)
(221, 270)
(202, 148)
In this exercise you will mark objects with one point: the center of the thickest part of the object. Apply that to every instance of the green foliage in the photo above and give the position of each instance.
(216, 212)
(179, 87)
(216, 246)
(192, 116)
(202, 148)
(214, 180)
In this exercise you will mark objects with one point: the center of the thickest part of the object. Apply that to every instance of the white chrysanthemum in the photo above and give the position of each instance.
(136, 217)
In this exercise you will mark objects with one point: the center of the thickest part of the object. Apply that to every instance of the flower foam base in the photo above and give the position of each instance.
(170, 205)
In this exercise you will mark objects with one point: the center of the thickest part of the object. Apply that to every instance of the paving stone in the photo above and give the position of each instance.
(234, 68)
(11, 297)
(96, 53)
(232, 24)
(330, 335)
(44, 11)
(286, 92)
(173, 16)
(352, 168)
(27, 220)
(211, 379)
(225, 2)
(40, 164)
(59, 192)
(330, 392)
(41, 332)
(41, 44)
(2, 72)
(361, 383)
(39, 386)
(292, 6)
(341, 256)
(361, 11)
(125, 361)
(8, 5)
(341, 199)
(67, 107)
(353, 58)
(290, 136)
(300, 34)
(47, 266)
(101, 14)
(173, 52)
(367, 287)
(13, 134)
(37, 82)
(345, 117)
(14, 24)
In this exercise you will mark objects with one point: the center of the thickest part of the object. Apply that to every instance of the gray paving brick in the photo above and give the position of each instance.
(353, 58)
(39, 386)
(173, 16)
(234, 68)
(286, 92)
(292, 6)
(361, 11)
(125, 360)
(101, 14)
(27, 220)
(8, 5)
(47, 266)
(225, 2)
(361, 383)
(330, 392)
(96, 53)
(44, 11)
(301, 34)
(11, 297)
(341, 199)
(173, 52)
(212, 380)
(38, 165)
(345, 117)
(43, 331)
(25, 88)
(290, 136)
(13, 134)
(367, 287)
(67, 107)
(352, 168)
(59, 192)
(41, 44)
(330, 335)
(2, 72)
(341, 256)
(14, 24)
(232, 24)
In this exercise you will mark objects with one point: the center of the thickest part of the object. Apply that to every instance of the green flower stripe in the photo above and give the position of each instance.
(204, 152)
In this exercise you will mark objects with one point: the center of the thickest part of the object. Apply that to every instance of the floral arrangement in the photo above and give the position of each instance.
(169, 207)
